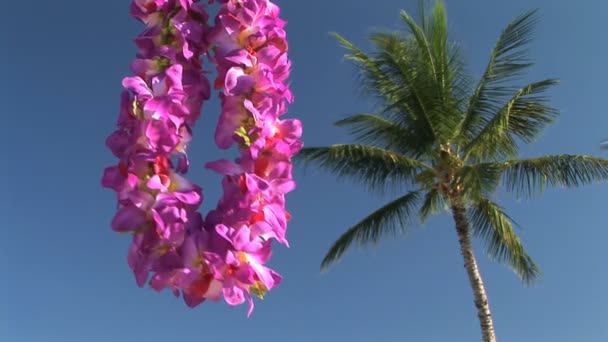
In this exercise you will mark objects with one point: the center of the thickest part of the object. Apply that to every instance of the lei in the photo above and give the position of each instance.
(224, 253)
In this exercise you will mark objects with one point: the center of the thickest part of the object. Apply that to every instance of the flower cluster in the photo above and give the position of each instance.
(250, 51)
(173, 247)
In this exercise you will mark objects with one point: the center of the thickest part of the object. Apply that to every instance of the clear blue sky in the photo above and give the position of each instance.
(64, 273)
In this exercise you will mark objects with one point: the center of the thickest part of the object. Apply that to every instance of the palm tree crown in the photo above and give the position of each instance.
(453, 141)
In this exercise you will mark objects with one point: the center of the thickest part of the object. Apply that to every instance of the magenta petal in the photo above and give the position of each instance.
(230, 119)
(158, 108)
(174, 77)
(186, 4)
(138, 261)
(112, 178)
(224, 136)
(237, 82)
(144, 67)
(234, 295)
(245, 275)
(192, 301)
(242, 239)
(268, 55)
(251, 306)
(254, 111)
(285, 185)
(181, 183)
(128, 218)
(160, 136)
(155, 183)
(263, 229)
(189, 251)
(276, 220)
(165, 279)
(239, 57)
(126, 109)
(140, 199)
(183, 163)
(215, 290)
(118, 142)
(262, 253)
(268, 277)
(194, 226)
(291, 129)
(189, 197)
(255, 183)
(224, 231)
(137, 85)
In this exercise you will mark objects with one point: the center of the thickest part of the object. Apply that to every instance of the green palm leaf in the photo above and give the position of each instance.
(372, 166)
(422, 40)
(493, 226)
(434, 202)
(378, 131)
(528, 176)
(375, 81)
(390, 219)
(479, 181)
(524, 116)
(508, 60)
(412, 86)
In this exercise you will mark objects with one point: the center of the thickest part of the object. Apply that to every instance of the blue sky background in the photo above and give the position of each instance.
(64, 275)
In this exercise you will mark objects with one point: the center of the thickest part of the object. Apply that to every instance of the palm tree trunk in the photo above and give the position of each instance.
(470, 264)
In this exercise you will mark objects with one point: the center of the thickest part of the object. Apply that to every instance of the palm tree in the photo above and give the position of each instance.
(450, 141)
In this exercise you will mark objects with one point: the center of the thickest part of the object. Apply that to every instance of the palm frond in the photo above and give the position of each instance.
(373, 80)
(390, 219)
(528, 176)
(494, 227)
(424, 45)
(451, 72)
(427, 179)
(460, 82)
(433, 204)
(437, 33)
(374, 167)
(395, 101)
(508, 60)
(524, 116)
(479, 180)
(378, 131)
(452, 76)
(413, 86)
(440, 67)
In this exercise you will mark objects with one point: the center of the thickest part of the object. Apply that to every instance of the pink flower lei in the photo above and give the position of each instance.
(224, 253)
